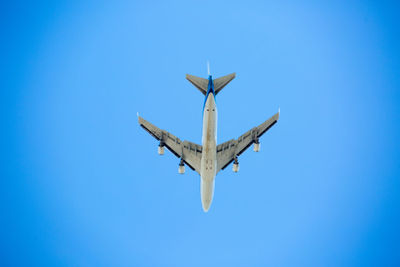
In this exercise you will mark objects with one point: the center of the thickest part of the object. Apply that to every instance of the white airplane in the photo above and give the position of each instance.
(209, 158)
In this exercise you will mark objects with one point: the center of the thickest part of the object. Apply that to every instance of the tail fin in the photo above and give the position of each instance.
(221, 82)
(202, 84)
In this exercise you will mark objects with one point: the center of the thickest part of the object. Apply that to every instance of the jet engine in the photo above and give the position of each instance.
(235, 167)
(161, 149)
(256, 146)
(181, 168)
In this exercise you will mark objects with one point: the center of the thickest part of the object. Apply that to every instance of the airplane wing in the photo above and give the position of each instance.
(226, 152)
(189, 152)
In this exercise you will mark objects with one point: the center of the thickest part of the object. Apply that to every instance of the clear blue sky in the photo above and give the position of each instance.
(82, 184)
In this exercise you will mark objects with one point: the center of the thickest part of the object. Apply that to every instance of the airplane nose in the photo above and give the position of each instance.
(207, 192)
(206, 205)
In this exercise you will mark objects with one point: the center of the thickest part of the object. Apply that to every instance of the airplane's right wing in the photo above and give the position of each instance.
(226, 152)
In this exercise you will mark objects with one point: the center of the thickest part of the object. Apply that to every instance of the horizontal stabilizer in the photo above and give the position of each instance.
(221, 82)
(200, 83)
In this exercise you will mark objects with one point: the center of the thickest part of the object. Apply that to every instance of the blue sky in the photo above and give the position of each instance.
(82, 184)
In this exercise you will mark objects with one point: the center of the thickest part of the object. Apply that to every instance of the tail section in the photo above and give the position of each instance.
(202, 84)
(221, 82)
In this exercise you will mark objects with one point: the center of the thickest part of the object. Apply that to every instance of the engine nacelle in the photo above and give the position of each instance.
(256, 147)
(235, 167)
(181, 168)
(160, 150)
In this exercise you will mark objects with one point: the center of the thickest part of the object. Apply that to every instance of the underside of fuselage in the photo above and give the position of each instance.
(209, 142)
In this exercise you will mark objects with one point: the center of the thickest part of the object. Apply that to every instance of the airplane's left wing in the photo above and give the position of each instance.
(189, 152)
(226, 152)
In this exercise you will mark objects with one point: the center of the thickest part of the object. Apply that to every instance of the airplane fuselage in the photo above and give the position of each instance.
(209, 153)
(208, 159)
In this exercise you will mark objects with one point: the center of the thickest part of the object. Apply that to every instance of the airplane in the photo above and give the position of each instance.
(209, 158)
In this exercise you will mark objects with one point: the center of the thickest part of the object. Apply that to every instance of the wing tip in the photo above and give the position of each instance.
(140, 119)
